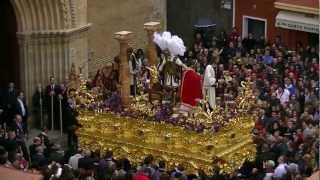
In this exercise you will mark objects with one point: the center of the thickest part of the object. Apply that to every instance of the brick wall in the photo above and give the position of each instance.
(110, 16)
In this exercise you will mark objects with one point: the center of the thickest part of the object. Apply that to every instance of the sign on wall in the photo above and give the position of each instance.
(297, 22)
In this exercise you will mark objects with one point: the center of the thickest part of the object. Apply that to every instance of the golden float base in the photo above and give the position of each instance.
(136, 138)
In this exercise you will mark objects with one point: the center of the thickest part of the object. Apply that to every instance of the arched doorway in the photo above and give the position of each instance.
(9, 50)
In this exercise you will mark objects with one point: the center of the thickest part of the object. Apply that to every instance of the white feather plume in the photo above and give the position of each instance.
(174, 44)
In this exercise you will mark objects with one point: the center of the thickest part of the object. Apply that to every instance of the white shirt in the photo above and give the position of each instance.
(73, 161)
(23, 109)
(268, 176)
(284, 96)
(209, 77)
(280, 170)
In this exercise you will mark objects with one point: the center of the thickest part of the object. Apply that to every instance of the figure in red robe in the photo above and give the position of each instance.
(190, 88)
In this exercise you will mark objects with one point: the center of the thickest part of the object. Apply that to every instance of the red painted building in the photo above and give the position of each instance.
(293, 20)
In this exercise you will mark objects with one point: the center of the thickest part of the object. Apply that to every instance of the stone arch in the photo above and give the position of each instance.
(49, 41)
(39, 15)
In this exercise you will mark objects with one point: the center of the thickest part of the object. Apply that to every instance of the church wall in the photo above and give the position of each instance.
(109, 16)
(52, 35)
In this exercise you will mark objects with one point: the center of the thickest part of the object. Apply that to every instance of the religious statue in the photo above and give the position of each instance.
(209, 84)
(107, 78)
(155, 90)
(99, 80)
(171, 69)
(135, 65)
(171, 66)
(172, 47)
(73, 80)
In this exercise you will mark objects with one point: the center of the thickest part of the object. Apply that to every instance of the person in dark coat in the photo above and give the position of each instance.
(38, 106)
(10, 144)
(52, 95)
(18, 128)
(34, 145)
(70, 122)
(9, 103)
(39, 160)
(22, 110)
(2, 107)
(249, 42)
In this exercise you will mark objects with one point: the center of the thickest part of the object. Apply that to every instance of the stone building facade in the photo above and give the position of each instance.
(109, 16)
(52, 34)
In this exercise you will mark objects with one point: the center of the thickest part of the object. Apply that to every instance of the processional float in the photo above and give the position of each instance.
(133, 133)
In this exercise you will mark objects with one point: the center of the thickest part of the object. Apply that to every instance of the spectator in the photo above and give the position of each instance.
(74, 160)
(39, 160)
(52, 94)
(281, 169)
(22, 110)
(283, 95)
(143, 175)
(38, 107)
(160, 172)
(249, 42)
(234, 35)
(267, 58)
(107, 161)
(178, 173)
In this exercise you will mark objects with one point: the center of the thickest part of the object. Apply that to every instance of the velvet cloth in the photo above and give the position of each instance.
(190, 88)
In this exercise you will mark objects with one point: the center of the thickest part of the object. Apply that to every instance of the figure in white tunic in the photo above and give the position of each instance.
(209, 83)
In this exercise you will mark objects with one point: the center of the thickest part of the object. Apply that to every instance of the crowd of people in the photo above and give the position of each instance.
(14, 126)
(286, 85)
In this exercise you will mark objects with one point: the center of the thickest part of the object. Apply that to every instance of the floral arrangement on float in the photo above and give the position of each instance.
(199, 120)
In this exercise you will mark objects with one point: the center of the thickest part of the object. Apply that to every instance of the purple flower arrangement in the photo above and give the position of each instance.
(114, 103)
(164, 112)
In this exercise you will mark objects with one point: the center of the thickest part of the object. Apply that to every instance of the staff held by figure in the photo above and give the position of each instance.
(51, 100)
(60, 114)
(41, 108)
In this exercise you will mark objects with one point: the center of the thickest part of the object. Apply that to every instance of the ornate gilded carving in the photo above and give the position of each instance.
(135, 138)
